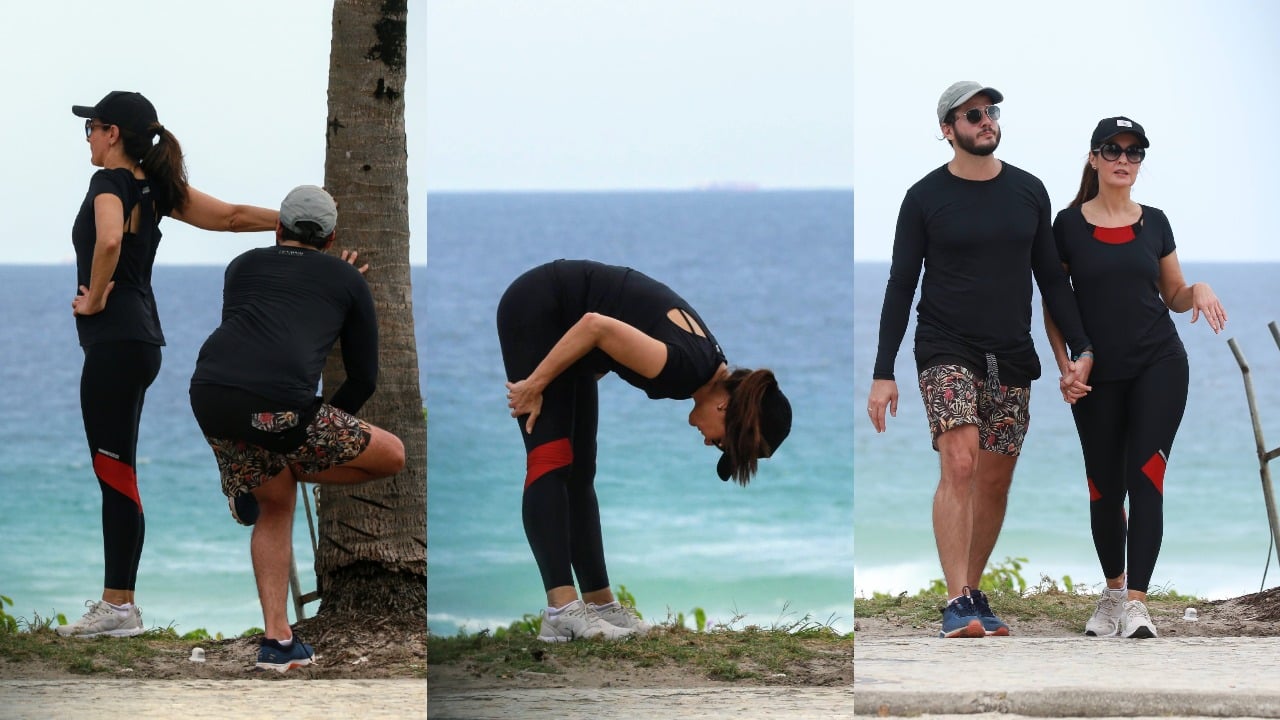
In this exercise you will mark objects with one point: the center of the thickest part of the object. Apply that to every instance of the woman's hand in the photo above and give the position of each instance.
(525, 398)
(1203, 301)
(350, 256)
(82, 305)
(1073, 384)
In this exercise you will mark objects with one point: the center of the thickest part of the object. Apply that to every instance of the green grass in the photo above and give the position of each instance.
(39, 644)
(1049, 599)
(726, 652)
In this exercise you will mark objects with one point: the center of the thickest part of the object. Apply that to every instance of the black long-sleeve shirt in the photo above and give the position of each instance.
(283, 308)
(1116, 276)
(979, 243)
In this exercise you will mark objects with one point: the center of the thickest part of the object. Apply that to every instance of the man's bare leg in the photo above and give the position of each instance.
(953, 505)
(272, 551)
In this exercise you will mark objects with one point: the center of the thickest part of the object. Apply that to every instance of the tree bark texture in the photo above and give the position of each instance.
(372, 536)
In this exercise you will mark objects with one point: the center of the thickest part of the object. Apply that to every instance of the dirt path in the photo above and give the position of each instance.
(296, 699)
(611, 704)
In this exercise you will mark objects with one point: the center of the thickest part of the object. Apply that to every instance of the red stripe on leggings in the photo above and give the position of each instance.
(547, 457)
(119, 476)
(1154, 470)
(1093, 491)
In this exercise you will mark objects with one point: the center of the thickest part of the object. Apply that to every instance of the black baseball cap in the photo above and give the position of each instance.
(775, 425)
(1113, 126)
(129, 110)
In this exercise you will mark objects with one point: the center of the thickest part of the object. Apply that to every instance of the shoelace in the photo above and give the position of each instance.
(1140, 611)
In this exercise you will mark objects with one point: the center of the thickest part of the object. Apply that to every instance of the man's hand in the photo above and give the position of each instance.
(884, 394)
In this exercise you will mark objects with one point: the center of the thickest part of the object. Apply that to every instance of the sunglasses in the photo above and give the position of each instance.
(1111, 152)
(974, 115)
(89, 125)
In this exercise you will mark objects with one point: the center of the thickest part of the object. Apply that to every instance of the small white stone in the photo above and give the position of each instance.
(197, 655)
(1191, 615)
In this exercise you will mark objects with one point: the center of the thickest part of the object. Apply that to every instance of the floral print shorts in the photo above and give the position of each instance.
(954, 396)
(334, 437)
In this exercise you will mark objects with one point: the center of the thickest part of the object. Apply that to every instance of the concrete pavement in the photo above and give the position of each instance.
(1068, 677)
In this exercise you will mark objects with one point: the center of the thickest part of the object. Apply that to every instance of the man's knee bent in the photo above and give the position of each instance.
(384, 456)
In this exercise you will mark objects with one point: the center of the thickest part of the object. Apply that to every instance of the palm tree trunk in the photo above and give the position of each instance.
(372, 555)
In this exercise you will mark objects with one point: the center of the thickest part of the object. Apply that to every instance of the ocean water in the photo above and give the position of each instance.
(195, 570)
(769, 273)
(1216, 534)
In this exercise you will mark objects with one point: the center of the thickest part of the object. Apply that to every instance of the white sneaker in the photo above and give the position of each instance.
(576, 620)
(102, 619)
(1137, 621)
(1107, 615)
(619, 616)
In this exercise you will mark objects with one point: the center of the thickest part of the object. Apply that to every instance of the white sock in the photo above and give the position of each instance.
(1122, 590)
(553, 611)
(121, 610)
(286, 644)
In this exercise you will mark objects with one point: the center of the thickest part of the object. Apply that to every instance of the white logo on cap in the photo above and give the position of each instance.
(1124, 123)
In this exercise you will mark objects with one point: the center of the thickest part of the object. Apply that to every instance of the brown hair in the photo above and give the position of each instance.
(744, 441)
(1088, 185)
(163, 163)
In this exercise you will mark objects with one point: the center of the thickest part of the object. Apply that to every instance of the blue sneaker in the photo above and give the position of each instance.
(271, 656)
(991, 624)
(960, 619)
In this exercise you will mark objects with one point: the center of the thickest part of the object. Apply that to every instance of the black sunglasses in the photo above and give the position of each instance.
(1111, 152)
(89, 125)
(974, 115)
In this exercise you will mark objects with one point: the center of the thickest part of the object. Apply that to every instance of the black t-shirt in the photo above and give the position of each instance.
(980, 243)
(130, 312)
(643, 303)
(1116, 276)
(283, 308)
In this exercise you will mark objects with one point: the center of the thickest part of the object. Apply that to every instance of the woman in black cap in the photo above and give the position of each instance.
(1124, 268)
(562, 326)
(142, 179)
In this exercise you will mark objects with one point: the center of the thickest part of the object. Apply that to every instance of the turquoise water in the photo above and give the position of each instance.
(1216, 533)
(767, 271)
(195, 570)
(769, 274)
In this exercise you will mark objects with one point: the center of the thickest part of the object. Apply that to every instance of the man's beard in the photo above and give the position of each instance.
(970, 144)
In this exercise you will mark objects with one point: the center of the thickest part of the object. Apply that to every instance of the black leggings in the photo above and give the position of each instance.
(1126, 430)
(560, 510)
(113, 383)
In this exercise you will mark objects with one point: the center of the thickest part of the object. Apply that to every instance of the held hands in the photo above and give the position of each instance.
(1203, 301)
(81, 305)
(350, 256)
(525, 398)
(1073, 382)
(884, 394)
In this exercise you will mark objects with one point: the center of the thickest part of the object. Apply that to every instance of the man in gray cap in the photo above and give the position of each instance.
(981, 228)
(254, 394)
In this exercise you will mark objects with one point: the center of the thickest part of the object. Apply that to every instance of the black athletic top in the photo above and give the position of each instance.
(979, 242)
(130, 312)
(283, 308)
(1116, 274)
(640, 301)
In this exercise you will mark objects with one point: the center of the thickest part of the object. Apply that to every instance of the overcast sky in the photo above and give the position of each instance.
(241, 83)
(639, 94)
(1199, 76)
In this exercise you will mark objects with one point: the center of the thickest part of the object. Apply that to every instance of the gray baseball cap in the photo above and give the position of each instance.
(309, 203)
(956, 95)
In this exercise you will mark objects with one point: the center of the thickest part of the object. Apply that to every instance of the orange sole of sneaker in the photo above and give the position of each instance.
(973, 630)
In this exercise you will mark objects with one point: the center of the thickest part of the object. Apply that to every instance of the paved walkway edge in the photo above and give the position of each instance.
(1069, 703)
